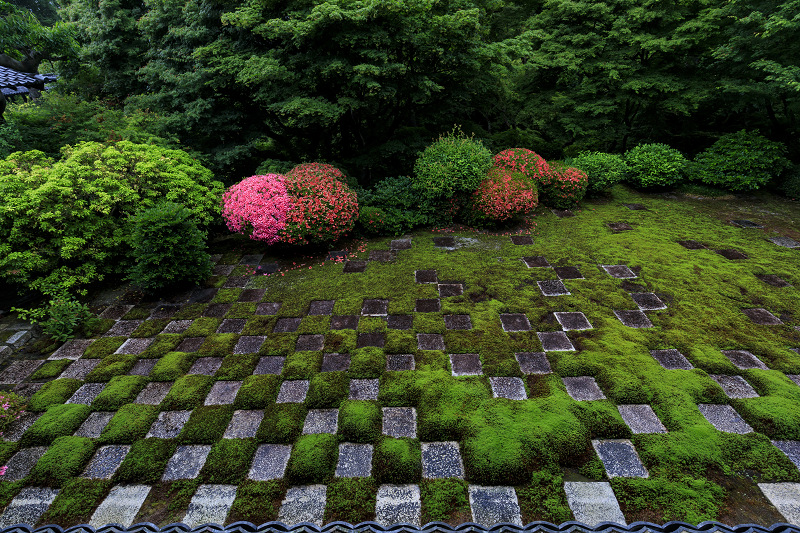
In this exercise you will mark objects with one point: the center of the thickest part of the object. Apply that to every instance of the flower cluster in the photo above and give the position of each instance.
(13, 407)
(565, 187)
(523, 161)
(257, 205)
(504, 194)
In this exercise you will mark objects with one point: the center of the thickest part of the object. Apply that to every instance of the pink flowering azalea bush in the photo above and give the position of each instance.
(12, 407)
(503, 195)
(564, 187)
(523, 161)
(257, 206)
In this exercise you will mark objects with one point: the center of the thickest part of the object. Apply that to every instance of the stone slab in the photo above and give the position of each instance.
(633, 318)
(18, 339)
(555, 341)
(375, 307)
(494, 505)
(249, 344)
(772, 279)
(465, 364)
(73, 349)
(244, 424)
(106, 461)
(593, 502)
(22, 462)
(648, 301)
(164, 311)
(27, 390)
(142, 367)
(619, 458)
(251, 259)
(87, 393)
(344, 322)
(791, 448)
(321, 421)
(355, 460)
(457, 322)
(508, 387)
(616, 227)
(354, 267)
(573, 321)
(293, 391)
(364, 389)
(786, 499)
(553, 287)
(734, 386)
(450, 289)
(641, 418)
(536, 262)
(583, 388)
(186, 463)
(154, 393)
(210, 505)
(252, 295)
(120, 506)
(321, 307)
(444, 242)
(399, 361)
(94, 425)
(287, 325)
(268, 308)
(762, 317)
(731, 254)
(692, 245)
(401, 322)
(515, 322)
(28, 506)
(426, 276)
(190, 344)
(115, 312)
(744, 360)
(724, 418)
(441, 460)
(310, 343)
(123, 328)
(270, 462)
(335, 362)
(223, 393)
(19, 371)
(568, 272)
(18, 427)
(398, 504)
(236, 282)
(134, 346)
(270, 364)
(749, 224)
(206, 366)
(635, 207)
(430, 341)
(671, 359)
(80, 369)
(222, 270)
(400, 244)
(521, 240)
(232, 325)
(169, 424)
(375, 339)
(400, 422)
(383, 256)
(785, 242)
(619, 271)
(562, 213)
(303, 504)
(533, 362)
(428, 305)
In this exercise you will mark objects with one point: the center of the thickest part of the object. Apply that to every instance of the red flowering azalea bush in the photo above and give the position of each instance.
(564, 187)
(524, 161)
(258, 206)
(503, 195)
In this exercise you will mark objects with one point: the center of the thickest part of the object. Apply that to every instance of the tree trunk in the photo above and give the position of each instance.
(29, 65)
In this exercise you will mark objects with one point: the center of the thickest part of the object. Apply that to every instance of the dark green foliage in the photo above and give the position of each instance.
(313, 459)
(119, 391)
(397, 461)
(443, 500)
(206, 424)
(367, 363)
(76, 502)
(257, 501)
(790, 185)
(51, 369)
(371, 221)
(172, 366)
(282, 423)
(59, 420)
(257, 392)
(52, 393)
(654, 165)
(453, 164)
(350, 500)
(604, 170)
(229, 461)
(237, 366)
(401, 207)
(544, 498)
(327, 389)
(188, 392)
(302, 365)
(103, 347)
(359, 421)
(63, 460)
(146, 461)
(131, 423)
(112, 366)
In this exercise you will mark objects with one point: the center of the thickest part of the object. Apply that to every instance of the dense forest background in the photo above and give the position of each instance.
(257, 85)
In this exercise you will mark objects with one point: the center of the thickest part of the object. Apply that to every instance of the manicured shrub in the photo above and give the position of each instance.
(62, 461)
(603, 170)
(350, 500)
(57, 421)
(503, 195)
(654, 165)
(564, 188)
(119, 391)
(257, 392)
(130, 424)
(741, 161)
(327, 390)
(52, 393)
(313, 459)
(146, 461)
(257, 206)
(359, 421)
(402, 207)
(282, 423)
(188, 392)
(229, 461)
(62, 317)
(523, 161)
(397, 461)
(169, 250)
(790, 185)
(206, 424)
(371, 220)
(453, 164)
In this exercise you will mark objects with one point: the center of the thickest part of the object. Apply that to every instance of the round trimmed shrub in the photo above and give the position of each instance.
(503, 195)
(565, 186)
(453, 164)
(523, 161)
(603, 170)
(372, 221)
(257, 206)
(654, 165)
(741, 161)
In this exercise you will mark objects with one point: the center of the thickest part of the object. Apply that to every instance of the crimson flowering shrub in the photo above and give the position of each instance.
(503, 195)
(257, 206)
(564, 187)
(524, 161)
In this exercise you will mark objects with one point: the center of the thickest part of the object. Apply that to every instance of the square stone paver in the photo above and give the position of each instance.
(785, 497)
(321, 421)
(383, 256)
(555, 341)
(79, 369)
(164, 311)
(270, 462)
(553, 287)
(508, 387)
(355, 460)
(619, 226)
(364, 389)
(120, 506)
(210, 505)
(573, 321)
(400, 422)
(430, 341)
(303, 504)
(134, 346)
(402, 322)
(647, 301)
(28, 506)
(293, 391)
(236, 282)
(18, 427)
(533, 362)
(18, 371)
(583, 389)
(206, 366)
(399, 361)
(444, 242)
(142, 367)
(457, 322)
(186, 463)
(568, 272)
(692, 245)
(791, 448)
(562, 213)
(123, 328)
(426, 276)
(365, 340)
(244, 424)
(619, 271)
(252, 295)
(217, 310)
(232, 325)
(724, 418)
(190, 344)
(400, 244)
(450, 289)
(73, 349)
(270, 364)
(536, 262)
(521, 240)
(785, 242)
(354, 267)
(494, 505)
(732, 254)
(398, 504)
(94, 425)
(772, 279)
(310, 343)
(635, 207)
(178, 326)
(106, 461)
(335, 362)
(268, 308)
(344, 322)
(641, 418)
(115, 312)
(222, 270)
(441, 460)
(428, 305)
(762, 317)
(744, 360)
(619, 458)
(515, 322)
(633, 318)
(86, 393)
(734, 386)
(671, 359)
(249, 344)
(321, 308)
(169, 424)
(375, 307)
(592, 502)
(749, 224)
(466, 364)
(251, 259)
(287, 325)
(223, 392)
(337, 255)
(22, 462)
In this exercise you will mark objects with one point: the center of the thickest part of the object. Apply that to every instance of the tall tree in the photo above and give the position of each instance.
(25, 42)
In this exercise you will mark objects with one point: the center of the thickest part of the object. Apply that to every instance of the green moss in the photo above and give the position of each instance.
(206, 424)
(8, 490)
(282, 423)
(257, 392)
(226, 296)
(327, 389)
(302, 365)
(399, 389)
(189, 312)
(432, 360)
(229, 461)
(150, 328)
(76, 502)
(188, 392)
(257, 501)
(237, 366)
(103, 347)
(172, 366)
(429, 323)
(440, 416)
(350, 500)
(59, 420)
(139, 312)
(161, 345)
(242, 310)
(367, 363)
(52, 393)
(119, 391)
(313, 459)
(397, 461)
(97, 327)
(51, 369)
(444, 500)
(602, 419)
(359, 421)
(63, 460)
(544, 498)
(146, 461)
(131, 423)
(258, 325)
(399, 341)
(687, 499)
(112, 366)
(279, 344)
(203, 327)
(219, 344)
(372, 324)
(314, 324)
(340, 341)
(7, 449)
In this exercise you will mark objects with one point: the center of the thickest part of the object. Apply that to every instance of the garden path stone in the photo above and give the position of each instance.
(344, 322)
(400, 422)
(186, 463)
(232, 325)
(619, 458)
(142, 367)
(619, 271)
(375, 307)
(335, 362)
(123, 328)
(115, 312)
(616, 227)
(533, 362)
(18, 371)
(337, 255)
(555, 341)
(366, 340)
(734, 386)
(303, 504)
(633, 318)
(267, 308)
(791, 448)
(749, 224)
(430, 341)
(536, 262)
(400, 244)
(251, 259)
(244, 424)
(441, 460)
(355, 460)
(87, 393)
(364, 389)
(22, 462)
(428, 305)
(744, 360)
(515, 322)
(94, 425)
(249, 344)
(18, 427)
(403, 322)
(641, 418)
(202, 296)
(635, 207)
(398, 504)
(553, 287)
(568, 272)
(190, 344)
(521, 240)
(354, 267)
(785, 497)
(450, 289)
(236, 282)
(270, 364)
(169, 424)
(28, 506)
(321, 307)
(27, 390)
(210, 505)
(164, 311)
(223, 393)
(762, 317)
(583, 388)
(206, 366)
(120, 506)
(154, 393)
(562, 213)
(647, 301)
(106, 461)
(79, 369)
(494, 505)
(382, 256)
(73, 349)
(671, 359)
(310, 343)
(252, 295)
(772, 279)
(573, 321)
(399, 361)
(293, 391)
(795, 378)
(508, 387)
(321, 421)
(270, 462)
(457, 322)
(724, 418)
(785, 242)
(466, 364)
(692, 245)
(732, 254)
(444, 242)
(592, 502)
(134, 346)
(217, 310)
(222, 270)
(426, 276)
